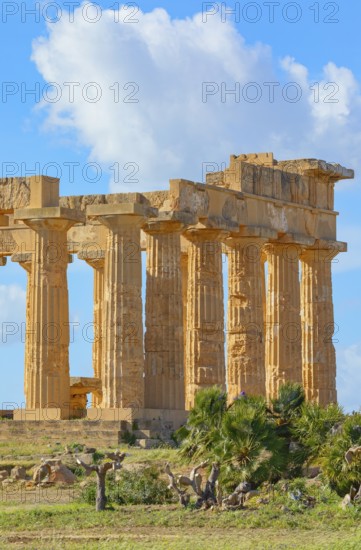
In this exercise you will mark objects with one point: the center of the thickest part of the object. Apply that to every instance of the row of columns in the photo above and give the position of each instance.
(284, 336)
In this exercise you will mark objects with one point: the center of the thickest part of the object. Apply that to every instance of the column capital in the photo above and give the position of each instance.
(24, 259)
(156, 226)
(53, 218)
(116, 216)
(248, 235)
(94, 258)
(323, 250)
(204, 234)
(290, 251)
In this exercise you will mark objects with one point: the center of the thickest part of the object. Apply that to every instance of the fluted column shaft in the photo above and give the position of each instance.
(123, 383)
(98, 318)
(205, 364)
(164, 354)
(283, 338)
(96, 261)
(47, 379)
(245, 320)
(184, 271)
(319, 359)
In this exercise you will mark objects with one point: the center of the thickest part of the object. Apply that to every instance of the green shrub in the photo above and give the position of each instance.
(98, 457)
(134, 487)
(129, 438)
(340, 475)
(312, 428)
(88, 493)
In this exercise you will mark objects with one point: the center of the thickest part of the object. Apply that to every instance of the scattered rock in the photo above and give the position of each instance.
(3, 475)
(61, 474)
(41, 472)
(86, 457)
(346, 503)
(18, 473)
(243, 487)
(311, 472)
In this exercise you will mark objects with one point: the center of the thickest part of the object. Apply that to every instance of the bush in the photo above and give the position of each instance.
(312, 428)
(340, 475)
(134, 487)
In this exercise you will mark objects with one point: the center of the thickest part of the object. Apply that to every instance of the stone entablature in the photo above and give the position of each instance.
(256, 211)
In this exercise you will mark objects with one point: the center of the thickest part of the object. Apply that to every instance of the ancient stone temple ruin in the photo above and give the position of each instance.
(273, 221)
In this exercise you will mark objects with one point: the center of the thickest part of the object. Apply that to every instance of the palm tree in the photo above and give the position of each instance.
(312, 428)
(340, 474)
(202, 430)
(248, 445)
(240, 437)
(287, 406)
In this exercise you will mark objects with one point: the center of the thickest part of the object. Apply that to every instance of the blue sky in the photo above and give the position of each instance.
(149, 61)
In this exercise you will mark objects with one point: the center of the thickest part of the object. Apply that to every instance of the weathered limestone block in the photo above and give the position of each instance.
(14, 193)
(245, 331)
(319, 360)
(123, 383)
(283, 337)
(205, 365)
(18, 473)
(164, 340)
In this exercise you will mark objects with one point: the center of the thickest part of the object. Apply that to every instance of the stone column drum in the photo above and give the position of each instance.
(319, 359)
(96, 260)
(283, 338)
(123, 359)
(48, 380)
(164, 369)
(245, 320)
(205, 365)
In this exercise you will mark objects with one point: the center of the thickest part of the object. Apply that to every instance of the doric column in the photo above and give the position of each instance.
(184, 271)
(164, 354)
(283, 337)
(245, 320)
(205, 365)
(48, 381)
(123, 360)
(96, 260)
(319, 360)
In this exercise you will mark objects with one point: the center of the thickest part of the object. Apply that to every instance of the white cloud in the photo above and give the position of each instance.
(170, 132)
(349, 377)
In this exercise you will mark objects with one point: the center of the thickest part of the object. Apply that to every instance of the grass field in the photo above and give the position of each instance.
(54, 518)
(74, 526)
